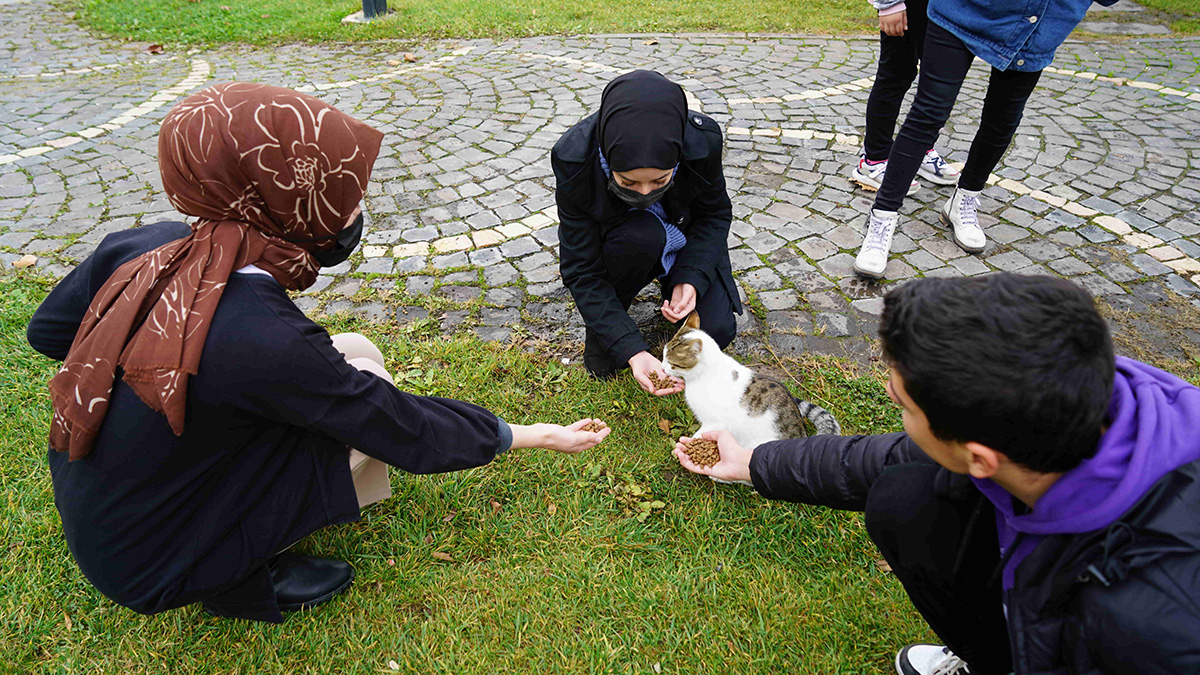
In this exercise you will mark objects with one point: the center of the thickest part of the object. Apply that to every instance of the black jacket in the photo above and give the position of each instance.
(1125, 599)
(697, 204)
(158, 521)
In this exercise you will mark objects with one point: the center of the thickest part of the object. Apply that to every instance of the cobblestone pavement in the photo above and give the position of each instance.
(1101, 185)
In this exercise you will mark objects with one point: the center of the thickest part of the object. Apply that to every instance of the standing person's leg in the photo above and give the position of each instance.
(898, 58)
(922, 528)
(945, 63)
(632, 253)
(370, 475)
(1008, 91)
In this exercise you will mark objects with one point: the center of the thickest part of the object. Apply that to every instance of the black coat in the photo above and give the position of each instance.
(1125, 599)
(697, 204)
(158, 521)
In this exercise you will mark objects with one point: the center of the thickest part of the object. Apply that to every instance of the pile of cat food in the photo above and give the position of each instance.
(702, 452)
(594, 426)
(659, 383)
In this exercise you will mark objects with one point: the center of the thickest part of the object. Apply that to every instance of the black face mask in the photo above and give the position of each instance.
(636, 199)
(347, 241)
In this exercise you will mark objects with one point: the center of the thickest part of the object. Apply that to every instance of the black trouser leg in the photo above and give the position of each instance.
(922, 530)
(1008, 91)
(944, 66)
(898, 58)
(632, 253)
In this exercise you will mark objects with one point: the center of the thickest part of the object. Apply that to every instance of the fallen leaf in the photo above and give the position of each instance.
(394, 62)
(70, 625)
(410, 57)
(429, 538)
(266, 16)
(495, 505)
(393, 665)
(665, 426)
(378, 586)
(883, 565)
(440, 555)
(25, 261)
(657, 668)
(650, 42)
(552, 510)
(154, 49)
(449, 516)
(225, 7)
(535, 12)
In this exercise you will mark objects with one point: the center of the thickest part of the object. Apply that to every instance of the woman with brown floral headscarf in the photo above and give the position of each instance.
(202, 424)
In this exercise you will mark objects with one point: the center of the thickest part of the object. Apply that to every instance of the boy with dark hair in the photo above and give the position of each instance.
(1042, 508)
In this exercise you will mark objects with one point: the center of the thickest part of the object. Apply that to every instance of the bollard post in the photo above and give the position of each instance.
(373, 9)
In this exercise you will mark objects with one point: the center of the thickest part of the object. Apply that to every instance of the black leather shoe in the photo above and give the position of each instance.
(596, 359)
(304, 582)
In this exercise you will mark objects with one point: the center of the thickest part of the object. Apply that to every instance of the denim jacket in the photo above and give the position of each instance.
(1011, 34)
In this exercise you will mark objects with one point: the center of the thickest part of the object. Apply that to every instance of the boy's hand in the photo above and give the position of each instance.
(734, 465)
(894, 25)
(642, 364)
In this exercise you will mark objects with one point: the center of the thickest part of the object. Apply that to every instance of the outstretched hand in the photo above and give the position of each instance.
(734, 465)
(569, 439)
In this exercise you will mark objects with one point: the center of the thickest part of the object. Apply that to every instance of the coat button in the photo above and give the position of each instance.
(1033, 19)
(1020, 62)
(698, 121)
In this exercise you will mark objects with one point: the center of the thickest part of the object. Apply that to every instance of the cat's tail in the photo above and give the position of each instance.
(822, 419)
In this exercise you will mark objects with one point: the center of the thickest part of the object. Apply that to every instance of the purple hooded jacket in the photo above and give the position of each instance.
(1154, 429)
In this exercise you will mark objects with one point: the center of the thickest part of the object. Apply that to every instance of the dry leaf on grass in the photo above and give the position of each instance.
(393, 665)
(449, 516)
(883, 565)
(410, 57)
(25, 261)
(394, 62)
(495, 505)
(650, 42)
(155, 49)
(266, 16)
(665, 426)
(225, 7)
(552, 510)
(70, 625)
(443, 556)
(429, 538)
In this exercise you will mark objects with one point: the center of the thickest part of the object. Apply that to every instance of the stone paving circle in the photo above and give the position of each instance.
(1101, 185)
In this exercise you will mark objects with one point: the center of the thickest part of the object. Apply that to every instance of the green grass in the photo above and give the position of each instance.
(563, 578)
(275, 21)
(1183, 16)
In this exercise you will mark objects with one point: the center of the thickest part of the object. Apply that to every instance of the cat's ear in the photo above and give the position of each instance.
(693, 321)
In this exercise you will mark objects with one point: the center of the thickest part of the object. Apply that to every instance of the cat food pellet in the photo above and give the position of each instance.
(659, 383)
(702, 452)
(594, 426)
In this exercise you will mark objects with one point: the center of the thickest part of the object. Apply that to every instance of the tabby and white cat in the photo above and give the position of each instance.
(724, 394)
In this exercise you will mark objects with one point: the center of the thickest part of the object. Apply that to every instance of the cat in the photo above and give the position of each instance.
(724, 394)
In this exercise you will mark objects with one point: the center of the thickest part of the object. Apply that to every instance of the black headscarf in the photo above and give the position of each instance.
(642, 117)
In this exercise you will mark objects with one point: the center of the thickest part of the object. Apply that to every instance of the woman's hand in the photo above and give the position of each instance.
(683, 301)
(894, 25)
(569, 439)
(734, 465)
(642, 364)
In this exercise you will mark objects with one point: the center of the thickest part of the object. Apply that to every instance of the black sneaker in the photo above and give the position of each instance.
(596, 359)
(929, 660)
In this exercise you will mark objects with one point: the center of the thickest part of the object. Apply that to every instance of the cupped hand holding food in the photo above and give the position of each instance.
(733, 465)
(642, 365)
(577, 437)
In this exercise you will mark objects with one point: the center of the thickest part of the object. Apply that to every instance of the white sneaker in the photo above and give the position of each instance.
(870, 176)
(929, 660)
(960, 213)
(935, 169)
(873, 256)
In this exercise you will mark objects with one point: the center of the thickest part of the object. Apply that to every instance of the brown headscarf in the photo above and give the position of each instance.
(271, 174)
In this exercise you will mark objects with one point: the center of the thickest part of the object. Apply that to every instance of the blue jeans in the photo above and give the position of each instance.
(944, 66)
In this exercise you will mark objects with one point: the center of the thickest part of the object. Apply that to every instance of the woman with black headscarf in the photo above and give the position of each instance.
(202, 423)
(641, 196)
